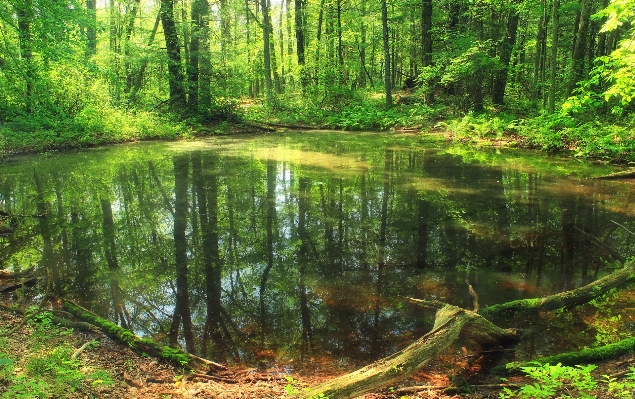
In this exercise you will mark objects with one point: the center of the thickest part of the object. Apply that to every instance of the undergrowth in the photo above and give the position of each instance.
(46, 368)
(558, 381)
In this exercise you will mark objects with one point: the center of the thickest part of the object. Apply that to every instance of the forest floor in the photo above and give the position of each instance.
(137, 376)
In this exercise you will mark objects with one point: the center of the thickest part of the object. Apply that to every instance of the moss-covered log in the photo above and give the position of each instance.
(451, 324)
(567, 299)
(624, 174)
(138, 344)
(584, 356)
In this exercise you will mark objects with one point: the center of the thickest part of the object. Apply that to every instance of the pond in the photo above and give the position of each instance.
(301, 247)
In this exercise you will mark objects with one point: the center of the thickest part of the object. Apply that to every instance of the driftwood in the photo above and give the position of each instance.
(142, 345)
(451, 324)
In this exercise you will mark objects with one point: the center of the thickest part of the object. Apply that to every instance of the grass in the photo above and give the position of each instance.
(45, 366)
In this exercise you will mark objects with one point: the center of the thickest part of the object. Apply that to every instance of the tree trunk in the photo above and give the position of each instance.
(266, 51)
(175, 70)
(451, 324)
(540, 38)
(387, 76)
(204, 59)
(554, 55)
(135, 84)
(25, 14)
(500, 79)
(193, 64)
(426, 42)
(576, 71)
(568, 298)
(91, 28)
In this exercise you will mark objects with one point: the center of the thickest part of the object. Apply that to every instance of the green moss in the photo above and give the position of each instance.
(584, 356)
(172, 355)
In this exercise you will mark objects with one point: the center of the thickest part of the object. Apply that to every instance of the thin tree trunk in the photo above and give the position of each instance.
(91, 28)
(576, 71)
(138, 79)
(554, 55)
(25, 14)
(387, 76)
(193, 64)
(266, 33)
(540, 38)
(426, 42)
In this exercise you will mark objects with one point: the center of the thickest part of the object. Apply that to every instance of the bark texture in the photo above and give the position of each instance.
(451, 324)
(569, 299)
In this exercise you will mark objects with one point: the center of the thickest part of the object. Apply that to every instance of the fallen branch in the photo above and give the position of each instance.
(142, 345)
(420, 388)
(584, 356)
(566, 299)
(82, 348)
(215, 378)
(451, 323)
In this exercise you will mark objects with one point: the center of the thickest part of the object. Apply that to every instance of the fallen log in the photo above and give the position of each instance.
(567, 299)
(451, 324)
(584, 356)
(138, 344)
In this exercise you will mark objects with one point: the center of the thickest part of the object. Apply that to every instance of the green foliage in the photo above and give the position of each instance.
(621, 389)
(46, 369)
(483, 126)
(556, 381)
(566, 382)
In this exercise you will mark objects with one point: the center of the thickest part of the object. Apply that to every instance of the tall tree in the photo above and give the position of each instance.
(300, 38)
(25, 12)
(91, 27)
(555, 14)
(385, 37)
(576, 69)
(507, 46)
(175, 70)
(426, 41)
(266, 39)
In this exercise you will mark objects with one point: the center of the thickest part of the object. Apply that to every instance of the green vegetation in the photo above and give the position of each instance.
(566, 382)
(48, 368)
(554, 75)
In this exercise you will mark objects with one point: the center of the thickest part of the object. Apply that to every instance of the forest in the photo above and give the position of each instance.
(422, 248)
(554, 74)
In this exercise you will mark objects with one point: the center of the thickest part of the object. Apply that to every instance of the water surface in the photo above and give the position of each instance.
(296, 247)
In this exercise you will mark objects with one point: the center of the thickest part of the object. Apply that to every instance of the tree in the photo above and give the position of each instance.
(385, 41)
(173, 48)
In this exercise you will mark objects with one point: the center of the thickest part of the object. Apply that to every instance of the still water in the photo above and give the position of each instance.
(301, 246)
